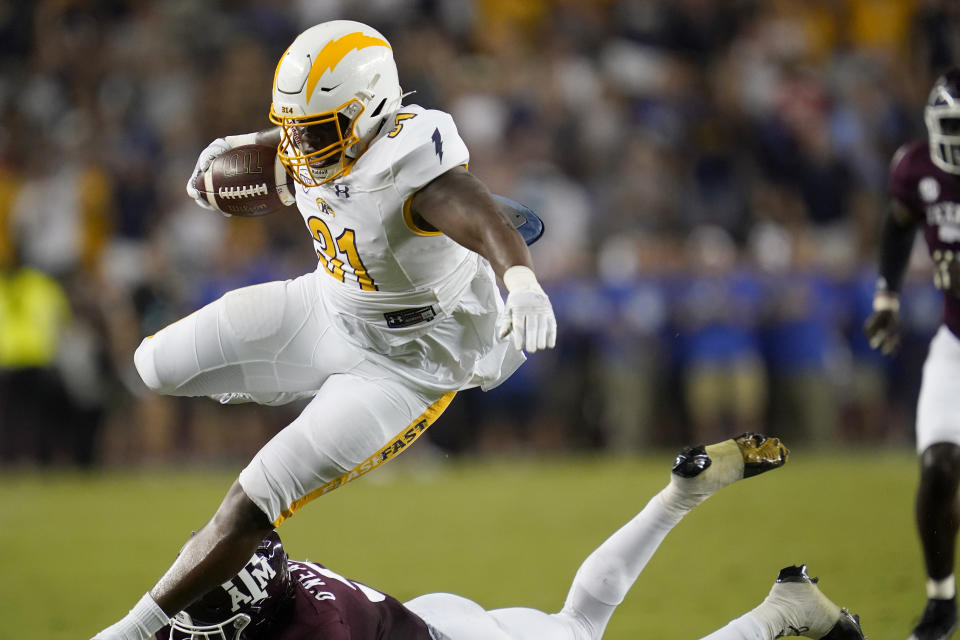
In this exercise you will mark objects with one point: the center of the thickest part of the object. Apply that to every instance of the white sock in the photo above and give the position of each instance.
(605, 577)
(726, 467)
(141, 623)
(772, 617)
(746, 627)
(941, 589)
(795, 608)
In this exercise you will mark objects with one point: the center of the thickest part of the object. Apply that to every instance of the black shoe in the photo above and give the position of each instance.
(817, 616)
(938, 622)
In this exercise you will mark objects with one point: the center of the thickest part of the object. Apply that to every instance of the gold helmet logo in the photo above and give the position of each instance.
(335, 51)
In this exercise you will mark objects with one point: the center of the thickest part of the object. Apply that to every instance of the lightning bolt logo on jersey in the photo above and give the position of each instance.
(437, 143)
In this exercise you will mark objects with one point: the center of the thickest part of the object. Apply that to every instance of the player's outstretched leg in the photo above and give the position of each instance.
(699, 472)
(797, 607)
(938, 622)
(608, 573)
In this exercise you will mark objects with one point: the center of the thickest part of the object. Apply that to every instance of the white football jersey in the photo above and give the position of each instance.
(362, 230)
(384, 280)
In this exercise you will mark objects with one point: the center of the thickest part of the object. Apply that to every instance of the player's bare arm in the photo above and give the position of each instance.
(460, 205)
(882, 328)
(214, 553)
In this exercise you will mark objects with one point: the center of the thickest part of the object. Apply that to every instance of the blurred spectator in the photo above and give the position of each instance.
(34, 415)
(800, 341)
(717, 311)
(629, 351)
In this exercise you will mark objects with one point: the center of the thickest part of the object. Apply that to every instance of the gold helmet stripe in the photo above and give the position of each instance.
(335, 51)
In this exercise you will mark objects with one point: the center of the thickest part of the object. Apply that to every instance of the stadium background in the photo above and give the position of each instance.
(711, 176)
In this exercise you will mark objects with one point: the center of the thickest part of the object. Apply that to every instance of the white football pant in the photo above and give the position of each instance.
(275, 342)
(938, 407)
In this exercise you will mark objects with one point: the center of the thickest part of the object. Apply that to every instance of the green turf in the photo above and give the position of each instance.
(79, 550)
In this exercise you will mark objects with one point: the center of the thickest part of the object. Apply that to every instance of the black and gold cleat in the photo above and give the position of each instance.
(761, 453)
(745, 456)
(699, 472)
(815, 616)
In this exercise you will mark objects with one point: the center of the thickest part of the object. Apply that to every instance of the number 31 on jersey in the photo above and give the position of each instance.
(337, 252)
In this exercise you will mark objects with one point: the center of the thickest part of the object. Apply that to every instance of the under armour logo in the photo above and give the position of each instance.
(437, 143)
(342, 190)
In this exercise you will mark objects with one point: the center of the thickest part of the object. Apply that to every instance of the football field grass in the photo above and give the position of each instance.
(80, 549)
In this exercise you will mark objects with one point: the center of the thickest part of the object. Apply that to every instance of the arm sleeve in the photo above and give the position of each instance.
(896, 243)
(900, 221)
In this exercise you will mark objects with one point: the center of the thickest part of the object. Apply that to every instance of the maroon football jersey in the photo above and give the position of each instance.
(332, 607)
(933, 197)
(327, 606)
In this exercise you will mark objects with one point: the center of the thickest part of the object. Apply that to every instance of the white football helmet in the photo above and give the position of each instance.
(331, 92)
(942, 117)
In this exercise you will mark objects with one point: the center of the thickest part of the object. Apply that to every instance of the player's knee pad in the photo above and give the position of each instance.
(604, 578)
(254, 313)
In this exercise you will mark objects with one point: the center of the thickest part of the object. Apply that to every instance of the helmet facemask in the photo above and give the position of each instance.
(313, 164)
(182, 627)
(942, 117)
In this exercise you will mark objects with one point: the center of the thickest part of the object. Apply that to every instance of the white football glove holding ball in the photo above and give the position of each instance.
(207, 156)
(528, 314)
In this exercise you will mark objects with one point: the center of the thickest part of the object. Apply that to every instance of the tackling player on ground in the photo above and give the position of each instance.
(282, 599)
(402, 312)
(925, 194)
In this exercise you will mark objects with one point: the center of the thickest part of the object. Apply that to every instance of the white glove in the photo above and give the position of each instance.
(214, 149)
(528, 314)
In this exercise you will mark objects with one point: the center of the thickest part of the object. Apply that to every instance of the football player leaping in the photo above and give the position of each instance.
(924, 186)
(282, 599)
(402, 311)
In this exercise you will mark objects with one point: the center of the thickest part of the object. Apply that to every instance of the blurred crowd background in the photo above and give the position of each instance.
(711, 174)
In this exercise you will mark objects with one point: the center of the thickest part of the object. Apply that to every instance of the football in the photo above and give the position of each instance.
(248, 181)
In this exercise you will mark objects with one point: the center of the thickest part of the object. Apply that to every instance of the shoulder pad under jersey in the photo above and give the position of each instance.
(426, 145)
